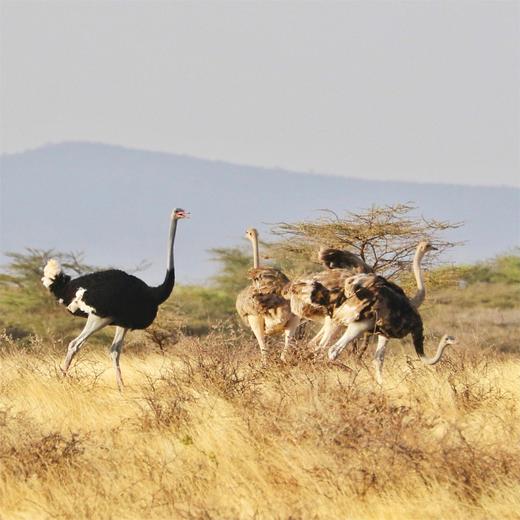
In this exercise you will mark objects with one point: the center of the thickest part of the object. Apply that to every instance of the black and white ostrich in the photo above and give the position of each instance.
(111, 297)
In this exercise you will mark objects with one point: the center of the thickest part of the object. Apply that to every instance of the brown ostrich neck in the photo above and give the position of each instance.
(256, 256)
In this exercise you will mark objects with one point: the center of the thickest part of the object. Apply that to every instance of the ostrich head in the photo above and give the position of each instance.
(424, 246)
(448, 340)
(251, 234)
(179, 213)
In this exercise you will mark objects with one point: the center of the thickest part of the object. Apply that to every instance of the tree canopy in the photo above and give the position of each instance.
(385, 237)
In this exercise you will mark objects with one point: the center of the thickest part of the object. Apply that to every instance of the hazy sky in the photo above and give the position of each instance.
(385, 90)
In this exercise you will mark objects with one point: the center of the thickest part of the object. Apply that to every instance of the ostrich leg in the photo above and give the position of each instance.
(290, 329)
(257, 326)
(330, 332)
(354, 330)
(379, 358)
(361, 345)
(314, 341)
(94, 323)
(115, 353)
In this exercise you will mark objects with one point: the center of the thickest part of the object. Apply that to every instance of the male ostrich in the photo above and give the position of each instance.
(370, 303)
(111, 297)
(261, 305)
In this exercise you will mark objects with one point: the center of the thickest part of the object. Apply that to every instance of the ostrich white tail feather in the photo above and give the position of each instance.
(51, 270)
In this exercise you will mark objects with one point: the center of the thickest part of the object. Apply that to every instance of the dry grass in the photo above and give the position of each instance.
(203, 432)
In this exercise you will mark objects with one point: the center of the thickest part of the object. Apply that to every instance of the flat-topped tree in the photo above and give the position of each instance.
(384, 237)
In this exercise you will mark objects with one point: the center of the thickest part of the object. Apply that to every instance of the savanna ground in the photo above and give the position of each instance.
(203, 431)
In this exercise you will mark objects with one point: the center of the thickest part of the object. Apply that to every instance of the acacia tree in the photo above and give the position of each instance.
(385, 237)
(27, 268)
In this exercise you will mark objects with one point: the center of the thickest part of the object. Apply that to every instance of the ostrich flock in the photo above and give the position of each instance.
(347, 299)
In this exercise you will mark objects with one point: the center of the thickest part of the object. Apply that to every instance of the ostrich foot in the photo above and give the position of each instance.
(378, 374)
(333, 353)
(120, 384)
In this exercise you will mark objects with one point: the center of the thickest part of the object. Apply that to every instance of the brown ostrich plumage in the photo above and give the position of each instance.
(371, 303)
(262, 306)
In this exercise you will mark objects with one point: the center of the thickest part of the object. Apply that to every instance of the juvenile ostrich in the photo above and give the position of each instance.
(111, 297)
(336, 259)
(261, 305)
(370, 303)
(339, 266)
(416, 301)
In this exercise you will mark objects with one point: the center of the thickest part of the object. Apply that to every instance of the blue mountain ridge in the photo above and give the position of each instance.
(114, 203)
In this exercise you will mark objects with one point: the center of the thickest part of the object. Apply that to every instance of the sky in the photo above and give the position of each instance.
(415, 90)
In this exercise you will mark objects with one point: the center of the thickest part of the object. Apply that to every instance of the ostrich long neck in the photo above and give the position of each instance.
(418, 343)
(163, 291)
(256, 257)
(443, 343)
(419, 296)
(362, 266)
(171, 240)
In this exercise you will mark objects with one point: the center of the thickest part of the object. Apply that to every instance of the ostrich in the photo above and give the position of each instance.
(370, 303)
(416, 301)
(339, 266)
(261, 305)
(110, 297)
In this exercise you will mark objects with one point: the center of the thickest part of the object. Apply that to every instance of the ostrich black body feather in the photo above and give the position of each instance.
(124, 298)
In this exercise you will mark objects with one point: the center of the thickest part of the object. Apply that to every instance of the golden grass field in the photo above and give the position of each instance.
(202, 431)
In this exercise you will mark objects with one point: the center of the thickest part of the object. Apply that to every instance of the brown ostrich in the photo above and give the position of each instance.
(371, 303)
(261, 305)
(339, 266)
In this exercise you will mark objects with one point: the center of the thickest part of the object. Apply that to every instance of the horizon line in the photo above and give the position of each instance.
(128, 148)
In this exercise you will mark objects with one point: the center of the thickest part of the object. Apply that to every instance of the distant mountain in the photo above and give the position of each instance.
(114, 204)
